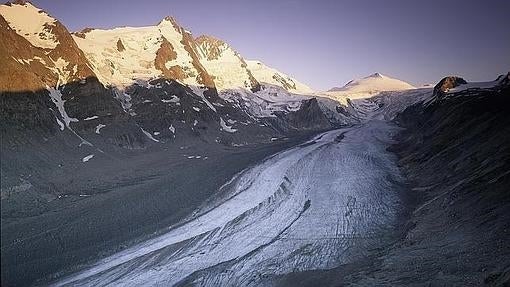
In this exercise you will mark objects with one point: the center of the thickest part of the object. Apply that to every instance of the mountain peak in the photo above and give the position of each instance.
(376, 75)
(373, 83)
(19, 2)
(30, 22)
(168, 20)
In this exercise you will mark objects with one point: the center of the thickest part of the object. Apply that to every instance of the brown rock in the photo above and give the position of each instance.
(189, 45)
(82, 33)
(164, 54)
(16, 75)
(447, 83)
(213, 51)
(120, 46)
(68, 50)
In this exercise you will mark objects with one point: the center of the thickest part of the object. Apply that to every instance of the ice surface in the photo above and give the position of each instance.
(310, 207)
(267, 101)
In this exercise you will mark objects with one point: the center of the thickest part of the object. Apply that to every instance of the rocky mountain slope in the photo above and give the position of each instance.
(108, 136)
(108, 66)
(265, 74)
(81, 112)
(456, 151)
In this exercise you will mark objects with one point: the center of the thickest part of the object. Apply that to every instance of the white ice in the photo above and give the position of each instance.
(314, 206)
(87, 158)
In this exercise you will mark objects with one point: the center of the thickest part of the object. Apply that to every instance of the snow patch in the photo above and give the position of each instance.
(226, 128)
(125, 101)
(149, 135)
(56, 98)
(173, 99)
(87, 158)
(61, 124)
(99, 127)
(200, 92)
(31, 23)
(90, 118)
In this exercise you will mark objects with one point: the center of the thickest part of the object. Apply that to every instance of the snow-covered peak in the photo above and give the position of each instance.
(168, 20)
(171, 22)
(123, 56)
(31, 23)
(225, 64)
(367, 87)
(376, 75)
(373, 84)
(265, 74)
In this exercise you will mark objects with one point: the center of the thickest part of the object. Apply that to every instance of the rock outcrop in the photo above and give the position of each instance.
(446, 84)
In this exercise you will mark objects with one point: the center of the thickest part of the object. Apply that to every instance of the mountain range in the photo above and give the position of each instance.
(113, 135)
(100, 80)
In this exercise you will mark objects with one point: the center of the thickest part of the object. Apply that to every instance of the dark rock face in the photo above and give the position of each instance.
(504, 80)
(26, 111)
(447, 83)
(457, 154)
(308, 117)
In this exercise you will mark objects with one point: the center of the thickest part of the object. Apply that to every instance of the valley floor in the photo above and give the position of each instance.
(416, 201)
(122, 199)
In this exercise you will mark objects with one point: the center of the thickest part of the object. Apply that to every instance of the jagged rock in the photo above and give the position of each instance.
(120, 46)
(446, 84)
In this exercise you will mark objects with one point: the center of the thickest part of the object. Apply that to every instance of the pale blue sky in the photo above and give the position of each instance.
(326, 43)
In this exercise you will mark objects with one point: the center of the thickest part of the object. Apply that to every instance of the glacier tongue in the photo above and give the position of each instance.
(314, 206)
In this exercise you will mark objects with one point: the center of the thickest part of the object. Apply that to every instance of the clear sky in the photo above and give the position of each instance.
(325, 43)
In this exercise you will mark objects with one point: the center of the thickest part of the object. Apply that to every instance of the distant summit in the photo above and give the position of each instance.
(375, 75)
(373, 83)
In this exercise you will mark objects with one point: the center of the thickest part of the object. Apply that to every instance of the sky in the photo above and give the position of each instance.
(326, 43)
